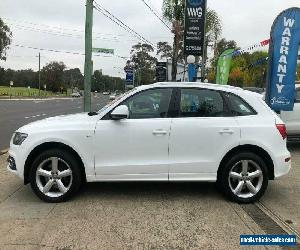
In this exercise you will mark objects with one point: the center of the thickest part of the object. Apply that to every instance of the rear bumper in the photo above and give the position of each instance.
(282, 166)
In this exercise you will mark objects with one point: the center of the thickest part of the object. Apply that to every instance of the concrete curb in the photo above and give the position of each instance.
(4, 151)
(37, 99)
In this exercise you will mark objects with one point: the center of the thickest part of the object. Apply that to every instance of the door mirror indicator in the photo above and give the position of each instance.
(120, 112)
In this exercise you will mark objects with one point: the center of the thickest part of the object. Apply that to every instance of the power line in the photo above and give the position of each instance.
(120, 23)
(63, 34)
(10, 20)
(62, 51)
(154, 12)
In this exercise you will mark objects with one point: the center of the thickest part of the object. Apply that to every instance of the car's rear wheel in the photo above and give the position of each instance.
(55, 175)
(244, 177)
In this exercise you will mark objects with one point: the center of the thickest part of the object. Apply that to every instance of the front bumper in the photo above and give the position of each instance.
(15, 161)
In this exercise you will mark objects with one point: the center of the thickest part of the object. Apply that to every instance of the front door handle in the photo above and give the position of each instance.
(159, 132)
(226, 131)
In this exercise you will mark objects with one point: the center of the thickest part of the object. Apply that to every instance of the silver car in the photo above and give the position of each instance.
(292, 118)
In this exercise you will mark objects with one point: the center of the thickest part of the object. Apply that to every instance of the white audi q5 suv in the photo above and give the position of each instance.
(160, 132)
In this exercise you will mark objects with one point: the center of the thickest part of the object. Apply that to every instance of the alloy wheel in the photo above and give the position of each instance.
(54, 177)
(245, 179)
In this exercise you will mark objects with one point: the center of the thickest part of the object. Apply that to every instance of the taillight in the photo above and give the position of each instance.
(282, 130)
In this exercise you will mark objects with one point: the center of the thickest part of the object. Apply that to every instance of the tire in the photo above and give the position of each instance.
(55, 184)
(234, 181)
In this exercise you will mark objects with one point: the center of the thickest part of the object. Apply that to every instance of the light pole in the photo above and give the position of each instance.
(39, 74)
(88, 68)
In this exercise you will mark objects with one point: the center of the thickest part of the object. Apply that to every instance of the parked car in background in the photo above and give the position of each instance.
(75, 94)
(105, 93)
(112, 96)
(159, 132)
(292, 118)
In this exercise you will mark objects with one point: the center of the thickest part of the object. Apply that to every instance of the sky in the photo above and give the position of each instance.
(59, 25)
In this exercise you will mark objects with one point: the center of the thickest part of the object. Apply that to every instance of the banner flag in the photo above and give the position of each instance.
(283, 52)
(223, 67)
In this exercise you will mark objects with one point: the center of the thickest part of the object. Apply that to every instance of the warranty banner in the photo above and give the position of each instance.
(194, 27)
(283, 52)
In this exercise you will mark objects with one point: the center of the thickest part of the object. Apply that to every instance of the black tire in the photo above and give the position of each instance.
(73, 165)
(224, 183)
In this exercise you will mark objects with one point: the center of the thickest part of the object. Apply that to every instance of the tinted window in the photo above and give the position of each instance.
(201, 103)
(238, 107)
(152, 103)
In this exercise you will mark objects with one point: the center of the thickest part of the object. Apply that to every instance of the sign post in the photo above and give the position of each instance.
(194, 30)
(11, 83)
(161, 72)
(88, 65)
(129, 78)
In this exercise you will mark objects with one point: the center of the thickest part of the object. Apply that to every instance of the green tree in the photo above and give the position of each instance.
(52, 75)
(173, 12)
(143, 62)
(5, 39)
(73, 78)
(164, 50)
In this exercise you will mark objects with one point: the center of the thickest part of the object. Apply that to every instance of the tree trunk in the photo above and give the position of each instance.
(174, 59)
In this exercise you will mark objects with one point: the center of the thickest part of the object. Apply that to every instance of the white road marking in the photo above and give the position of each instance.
(34, 116)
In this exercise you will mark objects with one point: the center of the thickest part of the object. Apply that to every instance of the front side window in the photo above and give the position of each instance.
(238, 107)
(153, 103)
(201, 103)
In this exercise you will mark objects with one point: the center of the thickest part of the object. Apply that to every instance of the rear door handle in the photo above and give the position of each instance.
(159, 132)
(226, 131)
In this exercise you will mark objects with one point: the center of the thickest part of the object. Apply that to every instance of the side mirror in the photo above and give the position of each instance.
(120, 112)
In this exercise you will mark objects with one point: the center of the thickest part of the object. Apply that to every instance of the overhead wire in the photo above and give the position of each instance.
(63, 51)
(120, 23)
(157, 15)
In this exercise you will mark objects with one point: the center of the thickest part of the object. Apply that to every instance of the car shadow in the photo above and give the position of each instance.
(151, 189)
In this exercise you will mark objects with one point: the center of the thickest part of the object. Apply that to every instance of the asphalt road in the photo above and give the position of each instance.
(14, 114)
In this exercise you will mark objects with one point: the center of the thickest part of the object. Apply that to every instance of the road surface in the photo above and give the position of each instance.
(14, 114)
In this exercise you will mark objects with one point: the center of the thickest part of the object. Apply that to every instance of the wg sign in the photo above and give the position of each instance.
(283, 52)
(194, 27)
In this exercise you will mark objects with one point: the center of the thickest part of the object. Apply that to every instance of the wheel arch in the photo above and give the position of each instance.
(249, 148)
(50, 145)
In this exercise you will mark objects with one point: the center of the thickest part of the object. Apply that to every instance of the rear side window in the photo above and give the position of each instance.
(201, 103)
(239, 107)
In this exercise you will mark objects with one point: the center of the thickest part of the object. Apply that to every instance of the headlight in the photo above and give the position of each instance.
(19, 138)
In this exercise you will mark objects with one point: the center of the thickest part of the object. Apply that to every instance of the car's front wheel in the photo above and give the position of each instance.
(55, 175)
(244, 177)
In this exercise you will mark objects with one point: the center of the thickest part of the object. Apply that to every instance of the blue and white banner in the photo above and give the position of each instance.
(283, 52)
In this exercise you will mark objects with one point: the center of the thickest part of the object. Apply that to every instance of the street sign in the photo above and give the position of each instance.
(194, 25)
(129, 77)
(104, 51)
(161, 72)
